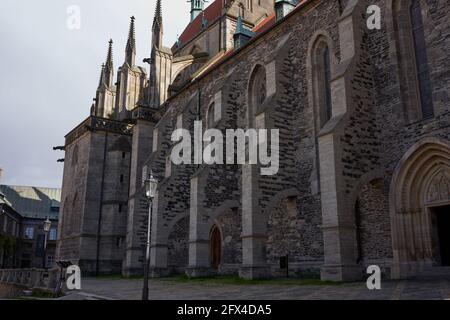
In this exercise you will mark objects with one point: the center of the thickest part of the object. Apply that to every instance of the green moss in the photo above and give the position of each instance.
(235, 280)
(42, 294)
(230, 280)
(118, 277)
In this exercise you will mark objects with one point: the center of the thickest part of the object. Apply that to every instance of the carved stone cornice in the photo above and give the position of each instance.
(146, 113)
(98, 124)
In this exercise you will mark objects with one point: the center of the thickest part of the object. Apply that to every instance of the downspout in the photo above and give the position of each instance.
(97, 262)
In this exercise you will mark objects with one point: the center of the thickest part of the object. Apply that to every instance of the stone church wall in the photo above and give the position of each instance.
(396, 135)
(371, 133)
(374, 225)
(96, 176)
(289, 109)
(178, 246)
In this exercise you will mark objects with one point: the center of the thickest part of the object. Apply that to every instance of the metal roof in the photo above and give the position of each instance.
(3, 199)
(32, 202)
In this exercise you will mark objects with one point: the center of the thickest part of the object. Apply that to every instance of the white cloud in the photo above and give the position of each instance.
(49, 73)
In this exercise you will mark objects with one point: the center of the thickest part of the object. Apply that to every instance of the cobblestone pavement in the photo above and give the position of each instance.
(168, 289)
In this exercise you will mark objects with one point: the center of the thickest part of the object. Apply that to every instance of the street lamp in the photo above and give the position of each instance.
(150, 185)
(47, 225)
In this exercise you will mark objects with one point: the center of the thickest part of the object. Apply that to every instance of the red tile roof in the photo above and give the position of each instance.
(211, 13)
(264, 25)
(260, 28)
(271, 20)
(267, 23)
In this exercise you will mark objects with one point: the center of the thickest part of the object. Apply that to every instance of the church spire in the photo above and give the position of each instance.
(102, 75)
(109, 56)
(157, 28)
(130, 52)
(157, 20)
(108, 69)
(197, 7)
(242, 35)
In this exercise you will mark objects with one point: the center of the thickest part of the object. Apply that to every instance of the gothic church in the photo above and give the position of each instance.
(363, 116)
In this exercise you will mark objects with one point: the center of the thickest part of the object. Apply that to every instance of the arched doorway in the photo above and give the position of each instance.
(420, 209)
(215, 247)
(438, 202)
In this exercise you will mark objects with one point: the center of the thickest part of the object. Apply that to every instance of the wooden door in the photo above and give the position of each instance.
(216, 247)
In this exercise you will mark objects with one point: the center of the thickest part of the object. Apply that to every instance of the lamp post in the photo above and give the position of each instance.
(150, 184)
(47, 225)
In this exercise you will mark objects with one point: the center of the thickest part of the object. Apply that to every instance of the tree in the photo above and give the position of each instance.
(7, 246)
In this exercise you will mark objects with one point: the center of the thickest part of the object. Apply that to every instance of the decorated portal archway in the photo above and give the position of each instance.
(420, 185)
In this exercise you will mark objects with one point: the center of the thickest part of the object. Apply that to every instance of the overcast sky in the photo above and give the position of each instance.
(49, 73)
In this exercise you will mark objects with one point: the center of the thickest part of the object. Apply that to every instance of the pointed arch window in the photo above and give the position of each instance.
(249, 5)
(257, 92)
(321, 66)
(423, 74)
(65, 216)
(210, 116)
(327, 82)
(75, 156)
(241, 10)
(415, 84)
(73, 220)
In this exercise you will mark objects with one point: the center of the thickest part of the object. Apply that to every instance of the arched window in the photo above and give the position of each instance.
(415, 81)
(423, 74)
(249, 5)
(74, 216)
(241, 10)
(327, 82)
(210, 116)
(75, 156)
(215, 247)
(257, 92)
(321, 66)
(65, 216)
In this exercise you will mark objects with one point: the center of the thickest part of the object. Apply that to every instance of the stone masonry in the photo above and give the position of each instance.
(364, 143)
